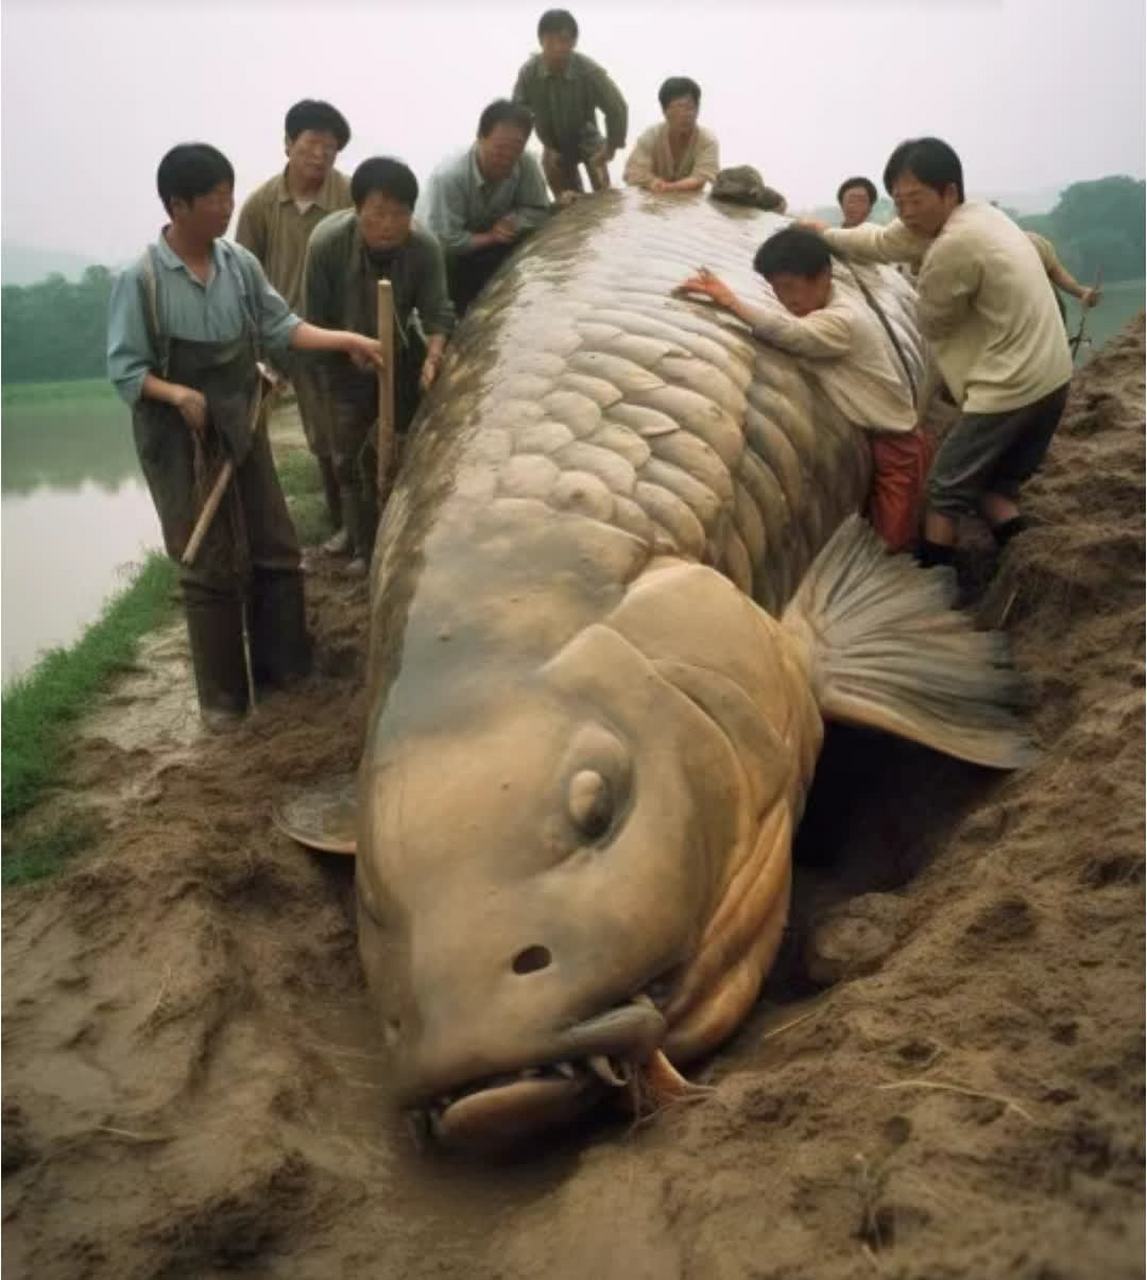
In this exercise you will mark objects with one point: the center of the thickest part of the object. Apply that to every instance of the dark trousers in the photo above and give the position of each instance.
(246, 576)
(354, 438)
(467, 273)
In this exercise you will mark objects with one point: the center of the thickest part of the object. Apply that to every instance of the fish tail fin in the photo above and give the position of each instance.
(884, 648)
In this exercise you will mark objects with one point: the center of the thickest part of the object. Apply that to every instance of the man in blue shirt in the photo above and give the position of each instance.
(186, 327)
(482, 202)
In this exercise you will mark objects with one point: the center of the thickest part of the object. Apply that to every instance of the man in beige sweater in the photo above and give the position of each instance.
(840, 339)
(998, 341)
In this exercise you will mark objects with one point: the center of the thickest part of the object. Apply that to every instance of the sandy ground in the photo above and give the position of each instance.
(944, 1078)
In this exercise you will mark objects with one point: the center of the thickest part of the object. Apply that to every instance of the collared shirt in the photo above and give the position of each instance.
(273, 228)
(984, 304)
(849, 352)
(457, 201)
(565, 103)
(216, 311)
(652, 157)
(341, 280)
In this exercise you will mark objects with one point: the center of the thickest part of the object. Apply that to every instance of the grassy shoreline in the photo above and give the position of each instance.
(38, 708)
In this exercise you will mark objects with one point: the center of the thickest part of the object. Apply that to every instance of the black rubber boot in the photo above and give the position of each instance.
(277, 627)
(1006, 530)
(360, 512)
(215, 630)
(331, 490)
(930, 554)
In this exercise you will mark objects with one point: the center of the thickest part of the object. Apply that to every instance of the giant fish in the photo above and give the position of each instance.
(617, 588)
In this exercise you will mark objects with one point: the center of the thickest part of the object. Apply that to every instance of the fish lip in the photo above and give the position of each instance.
(631, 1030)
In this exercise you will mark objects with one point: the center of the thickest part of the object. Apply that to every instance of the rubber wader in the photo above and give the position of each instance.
(247, 570)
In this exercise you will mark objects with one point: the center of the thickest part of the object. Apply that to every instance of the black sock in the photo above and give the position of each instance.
(930, 554)
(1006, 530)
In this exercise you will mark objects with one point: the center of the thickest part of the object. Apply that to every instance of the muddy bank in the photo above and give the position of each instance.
(943, 1079)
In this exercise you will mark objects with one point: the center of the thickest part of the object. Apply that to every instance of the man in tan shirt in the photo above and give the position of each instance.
(275, 223)
(999, 344)
(677, 155)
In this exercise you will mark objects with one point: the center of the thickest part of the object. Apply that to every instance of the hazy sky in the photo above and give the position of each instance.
(1032, 93)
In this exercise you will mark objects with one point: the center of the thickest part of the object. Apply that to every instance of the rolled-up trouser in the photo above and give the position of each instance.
(247, 565)
(900, 462)
(992, 453)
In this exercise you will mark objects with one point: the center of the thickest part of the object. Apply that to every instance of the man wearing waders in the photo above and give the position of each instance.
(187, 325)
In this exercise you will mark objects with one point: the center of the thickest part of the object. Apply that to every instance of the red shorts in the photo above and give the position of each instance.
(900, 463)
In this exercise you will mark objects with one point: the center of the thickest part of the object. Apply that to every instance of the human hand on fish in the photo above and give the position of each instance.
(192, 406)
(429, 372)
(704, 281)
(505, 230)
(365, 353)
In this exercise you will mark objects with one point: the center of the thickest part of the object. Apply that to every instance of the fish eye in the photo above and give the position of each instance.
(590, 803)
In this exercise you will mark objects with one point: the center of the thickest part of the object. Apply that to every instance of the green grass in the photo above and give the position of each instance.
(38, 708)
(40, 392)
(38, 856)
(299, 476)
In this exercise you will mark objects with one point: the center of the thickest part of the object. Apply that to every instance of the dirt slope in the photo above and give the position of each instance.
(944, 1079)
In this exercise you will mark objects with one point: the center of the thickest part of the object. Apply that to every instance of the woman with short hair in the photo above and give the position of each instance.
(677, 155)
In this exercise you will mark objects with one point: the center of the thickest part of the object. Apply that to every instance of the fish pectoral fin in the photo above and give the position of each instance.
(885, 649)
(324, 817)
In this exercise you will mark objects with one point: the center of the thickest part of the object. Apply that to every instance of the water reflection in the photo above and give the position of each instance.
(76, 519)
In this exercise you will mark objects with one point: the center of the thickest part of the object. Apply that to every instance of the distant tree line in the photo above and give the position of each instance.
(55, 330)
(1097, 226)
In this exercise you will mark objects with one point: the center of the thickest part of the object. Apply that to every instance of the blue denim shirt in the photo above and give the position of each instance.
(215, 311)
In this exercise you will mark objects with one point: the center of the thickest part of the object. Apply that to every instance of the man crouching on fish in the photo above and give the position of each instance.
(850, 353)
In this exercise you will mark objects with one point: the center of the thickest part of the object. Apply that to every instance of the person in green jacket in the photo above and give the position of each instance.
(565, 90)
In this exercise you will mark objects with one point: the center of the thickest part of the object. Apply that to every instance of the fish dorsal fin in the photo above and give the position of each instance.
(885, 649)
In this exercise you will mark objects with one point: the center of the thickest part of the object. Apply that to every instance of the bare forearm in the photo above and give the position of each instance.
(156, 388)
(310, 337)
(435, 345)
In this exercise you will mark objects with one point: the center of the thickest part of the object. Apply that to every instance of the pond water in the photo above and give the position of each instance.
(75, 516)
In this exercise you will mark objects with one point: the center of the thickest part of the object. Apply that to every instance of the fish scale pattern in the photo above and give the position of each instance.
(601, 392)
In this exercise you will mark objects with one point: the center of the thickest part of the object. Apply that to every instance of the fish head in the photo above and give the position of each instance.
(535, 871)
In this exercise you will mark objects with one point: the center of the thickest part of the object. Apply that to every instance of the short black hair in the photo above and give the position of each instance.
(503, 111)
(868, 187)
(678, 87)
(557, 22)
(192, 169)
(929, 160)
(386, 176)
(795, 251)
(319, 116)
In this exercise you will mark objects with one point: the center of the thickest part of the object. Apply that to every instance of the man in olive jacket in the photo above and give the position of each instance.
(348, 254)
(565, 90)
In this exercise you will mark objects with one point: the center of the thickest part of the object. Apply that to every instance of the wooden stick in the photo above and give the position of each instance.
(385, 386)
(222, 480)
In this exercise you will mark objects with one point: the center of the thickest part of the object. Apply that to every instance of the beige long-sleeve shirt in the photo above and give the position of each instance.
(984, 304)
(652, 157)
(848, 351)
(276, 231)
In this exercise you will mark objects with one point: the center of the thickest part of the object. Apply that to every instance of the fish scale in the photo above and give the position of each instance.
(581, 384)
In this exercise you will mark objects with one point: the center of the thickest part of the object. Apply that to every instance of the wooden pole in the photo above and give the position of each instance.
(267, 385)
(385, 387)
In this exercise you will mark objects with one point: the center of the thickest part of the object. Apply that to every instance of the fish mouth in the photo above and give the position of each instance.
(592, 1058)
